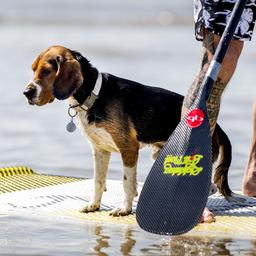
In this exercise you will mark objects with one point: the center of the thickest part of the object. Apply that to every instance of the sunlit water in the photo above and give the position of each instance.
(148, 41)
(30, 236)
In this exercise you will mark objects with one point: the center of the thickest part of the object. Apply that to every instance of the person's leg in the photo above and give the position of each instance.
(210, 43)
(249, 181)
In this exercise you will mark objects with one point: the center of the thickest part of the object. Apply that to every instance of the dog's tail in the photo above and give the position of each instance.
(225, 157)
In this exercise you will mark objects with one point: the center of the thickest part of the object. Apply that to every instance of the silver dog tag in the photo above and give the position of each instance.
(71, 126)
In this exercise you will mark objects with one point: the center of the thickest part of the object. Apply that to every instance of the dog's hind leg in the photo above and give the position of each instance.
(101, 161)
(224, 154)
(156, 148)
(130, 157)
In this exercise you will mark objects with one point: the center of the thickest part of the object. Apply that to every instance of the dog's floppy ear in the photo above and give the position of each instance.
(68, 77)
(59, 61)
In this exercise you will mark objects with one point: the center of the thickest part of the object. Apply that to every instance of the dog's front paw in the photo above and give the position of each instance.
(91, 207)
(120, 211)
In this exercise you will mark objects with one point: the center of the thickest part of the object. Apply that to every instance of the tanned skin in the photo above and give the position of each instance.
(210, 43)
(228, 67)
(249, 181)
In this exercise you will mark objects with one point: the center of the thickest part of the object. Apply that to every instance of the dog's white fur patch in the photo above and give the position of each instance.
(101, 161)
(130, 191)
(130, 184)
(38, 88)
(99, 137)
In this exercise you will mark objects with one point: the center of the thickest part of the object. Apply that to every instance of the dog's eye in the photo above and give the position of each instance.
(54, 64)
(45, 71)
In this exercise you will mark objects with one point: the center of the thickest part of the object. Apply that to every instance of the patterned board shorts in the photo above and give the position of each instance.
(214, 15)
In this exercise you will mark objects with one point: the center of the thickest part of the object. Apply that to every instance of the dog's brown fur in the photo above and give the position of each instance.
(112, 124)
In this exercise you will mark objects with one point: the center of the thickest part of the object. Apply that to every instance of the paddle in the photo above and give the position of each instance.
(176, 190)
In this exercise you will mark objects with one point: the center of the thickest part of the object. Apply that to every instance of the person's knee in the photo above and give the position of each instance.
(211, 42)
(233, 53)
(231, 59)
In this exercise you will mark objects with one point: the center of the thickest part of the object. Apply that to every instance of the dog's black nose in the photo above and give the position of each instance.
(30, 92)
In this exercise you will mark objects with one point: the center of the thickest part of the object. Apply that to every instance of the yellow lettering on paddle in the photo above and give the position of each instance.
(182, 165)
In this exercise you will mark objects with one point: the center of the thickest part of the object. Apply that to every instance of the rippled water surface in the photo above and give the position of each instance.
(30, 236)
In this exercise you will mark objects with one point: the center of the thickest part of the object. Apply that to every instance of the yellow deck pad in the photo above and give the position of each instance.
(21, 178)
(23, 191)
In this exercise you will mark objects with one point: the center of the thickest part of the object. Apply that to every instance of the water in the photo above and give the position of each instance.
(56, 238)
(148, 41)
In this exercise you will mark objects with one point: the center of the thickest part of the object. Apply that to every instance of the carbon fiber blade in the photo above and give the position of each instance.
(175, 192)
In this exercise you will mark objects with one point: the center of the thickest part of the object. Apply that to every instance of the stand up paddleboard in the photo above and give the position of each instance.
(25, 192)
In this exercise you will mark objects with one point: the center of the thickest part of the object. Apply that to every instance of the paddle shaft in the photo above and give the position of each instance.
(215, 65)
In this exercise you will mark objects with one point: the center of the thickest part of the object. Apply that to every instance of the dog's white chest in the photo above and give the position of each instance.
(99, 137)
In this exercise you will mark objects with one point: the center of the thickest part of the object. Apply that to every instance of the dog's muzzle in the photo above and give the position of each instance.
(30, 93)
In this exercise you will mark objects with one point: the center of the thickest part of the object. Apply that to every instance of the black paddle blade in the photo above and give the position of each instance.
(175, 192)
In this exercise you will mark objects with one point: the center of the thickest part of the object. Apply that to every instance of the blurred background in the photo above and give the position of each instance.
(148, 41)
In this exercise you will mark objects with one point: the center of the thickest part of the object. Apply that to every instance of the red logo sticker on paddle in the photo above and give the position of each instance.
(195, 118)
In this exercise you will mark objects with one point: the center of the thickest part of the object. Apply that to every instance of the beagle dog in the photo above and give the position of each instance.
(116, 115)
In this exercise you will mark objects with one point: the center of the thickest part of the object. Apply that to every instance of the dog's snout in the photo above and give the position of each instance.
(30, 92)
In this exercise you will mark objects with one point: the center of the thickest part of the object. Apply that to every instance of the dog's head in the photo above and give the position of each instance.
(57, 74)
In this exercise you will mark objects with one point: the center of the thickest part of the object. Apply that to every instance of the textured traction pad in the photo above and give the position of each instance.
(23, 191)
